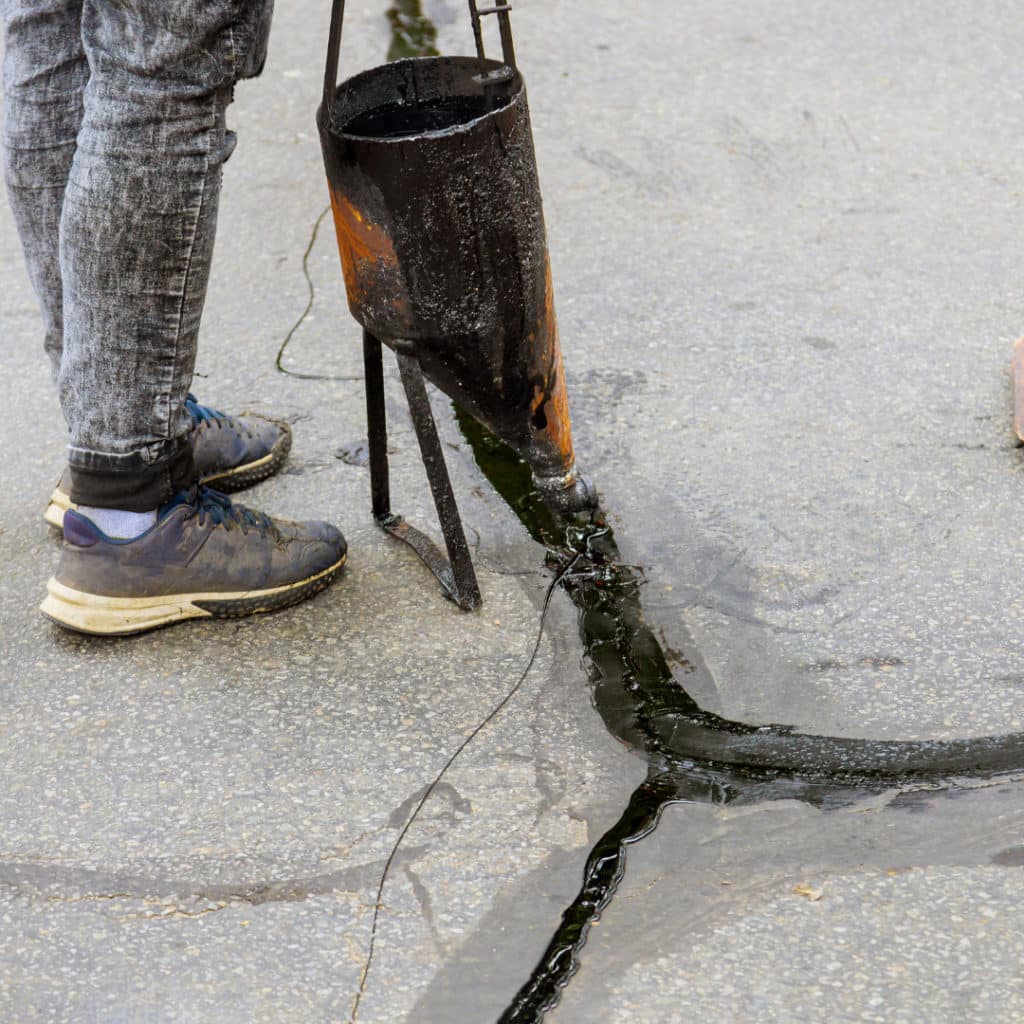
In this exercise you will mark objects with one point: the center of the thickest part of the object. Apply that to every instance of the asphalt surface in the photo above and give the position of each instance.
(785, 241)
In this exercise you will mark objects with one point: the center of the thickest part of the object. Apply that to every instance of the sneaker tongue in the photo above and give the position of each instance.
(201, 413)
(198, 496)
(181, 498)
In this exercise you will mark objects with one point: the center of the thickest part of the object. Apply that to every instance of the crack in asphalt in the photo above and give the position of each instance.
(58, 884)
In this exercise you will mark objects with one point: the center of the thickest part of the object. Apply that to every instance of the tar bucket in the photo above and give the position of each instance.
(437, 211)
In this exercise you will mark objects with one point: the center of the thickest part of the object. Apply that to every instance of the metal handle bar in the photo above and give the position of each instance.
(476, 13)
(333, 51)
(508, 53)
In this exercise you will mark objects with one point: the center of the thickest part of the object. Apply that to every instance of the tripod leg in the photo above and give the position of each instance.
(467, 592)
(377, 426)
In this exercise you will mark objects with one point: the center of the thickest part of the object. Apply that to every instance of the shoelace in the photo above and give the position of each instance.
(206, 502)
(202, 413)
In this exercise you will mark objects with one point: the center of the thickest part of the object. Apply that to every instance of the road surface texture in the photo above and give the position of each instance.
(786, 241)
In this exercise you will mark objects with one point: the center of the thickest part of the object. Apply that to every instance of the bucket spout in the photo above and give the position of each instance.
(512, 379)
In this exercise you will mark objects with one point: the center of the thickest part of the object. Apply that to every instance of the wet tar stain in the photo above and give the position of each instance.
(693, 755)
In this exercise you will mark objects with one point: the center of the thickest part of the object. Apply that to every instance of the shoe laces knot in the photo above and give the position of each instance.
(201, 414)
(206, 503)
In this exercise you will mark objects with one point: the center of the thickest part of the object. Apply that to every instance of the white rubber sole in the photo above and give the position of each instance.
(122, 616)
(60, 502)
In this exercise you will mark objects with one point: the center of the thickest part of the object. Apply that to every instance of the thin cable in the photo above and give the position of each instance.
(495, 711)
(278, 364)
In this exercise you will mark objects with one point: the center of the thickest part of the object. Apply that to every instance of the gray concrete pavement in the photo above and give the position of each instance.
(786, 248)
(900, 908)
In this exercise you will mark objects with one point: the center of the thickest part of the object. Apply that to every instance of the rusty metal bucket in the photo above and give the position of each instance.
(437, 210)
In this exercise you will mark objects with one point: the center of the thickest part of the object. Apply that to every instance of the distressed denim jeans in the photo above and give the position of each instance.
(114, 139)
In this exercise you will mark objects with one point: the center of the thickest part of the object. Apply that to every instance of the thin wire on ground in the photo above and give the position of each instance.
(494, 712)
(311, 298)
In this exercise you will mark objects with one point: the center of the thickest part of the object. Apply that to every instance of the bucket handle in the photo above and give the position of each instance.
(333, 51)
(501, 8)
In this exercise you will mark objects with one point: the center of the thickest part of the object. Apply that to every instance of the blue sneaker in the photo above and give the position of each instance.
(203, 558)
(230, 452)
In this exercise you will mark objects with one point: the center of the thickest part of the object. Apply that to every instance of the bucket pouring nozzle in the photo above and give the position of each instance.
(573, 494)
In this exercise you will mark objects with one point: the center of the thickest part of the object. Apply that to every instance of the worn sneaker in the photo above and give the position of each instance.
(204, 558)
(230, 452)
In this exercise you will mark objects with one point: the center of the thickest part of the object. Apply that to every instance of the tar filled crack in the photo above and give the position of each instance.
(693, 755)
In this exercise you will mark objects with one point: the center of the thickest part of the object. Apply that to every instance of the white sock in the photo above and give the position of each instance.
(116, 522)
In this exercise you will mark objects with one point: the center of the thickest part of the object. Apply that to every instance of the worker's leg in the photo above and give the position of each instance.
(45, 72)
(136, 241)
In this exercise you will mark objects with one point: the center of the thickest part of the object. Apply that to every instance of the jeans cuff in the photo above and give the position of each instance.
(140, 488)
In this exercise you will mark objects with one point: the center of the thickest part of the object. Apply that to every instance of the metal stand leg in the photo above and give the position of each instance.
(464, 589)
(455, 573)
(377, 424)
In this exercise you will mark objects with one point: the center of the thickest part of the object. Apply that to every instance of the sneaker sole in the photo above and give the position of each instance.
(96, 615)
(60, 503)
(227, 482)
(236, 479)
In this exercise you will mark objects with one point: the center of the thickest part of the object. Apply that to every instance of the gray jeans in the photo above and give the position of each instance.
(114, 138)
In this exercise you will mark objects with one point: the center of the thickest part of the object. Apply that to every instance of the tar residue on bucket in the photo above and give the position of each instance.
(403, 120)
